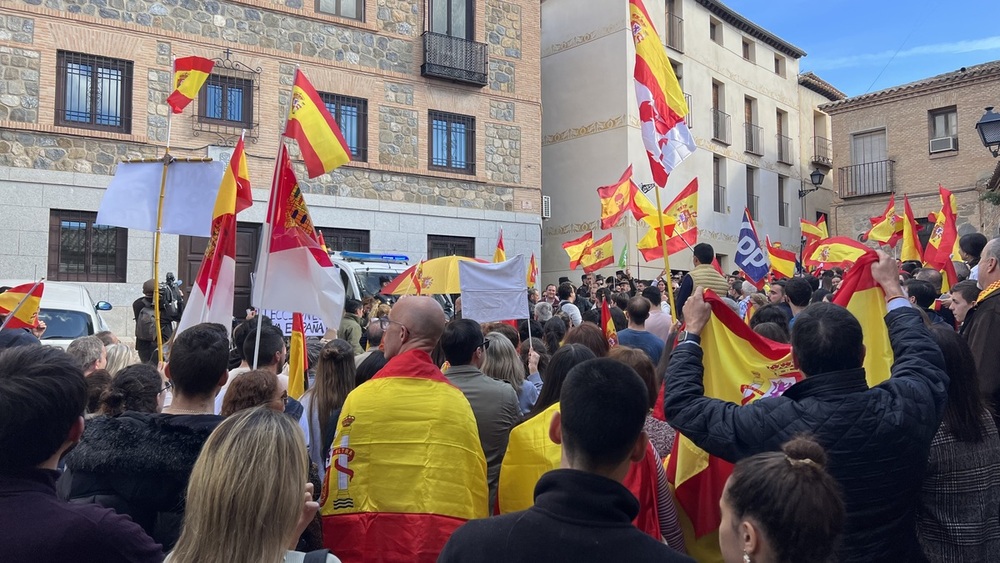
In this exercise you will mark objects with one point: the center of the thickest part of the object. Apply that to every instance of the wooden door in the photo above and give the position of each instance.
(192, 253)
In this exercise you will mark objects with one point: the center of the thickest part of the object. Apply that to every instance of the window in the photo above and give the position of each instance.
(779, 65)
(784, 141)
(352, 117)
(440, 245)
(226, 100)
(79, 250)
(720, 119)
(351, 240)
(718, 185)
(752, 192)
(93, 92)
(748, 50)
(715, 31)
(782, 203)
(943, 129)
(453, 17)
(453, 142)
(353, 9)
(752, 130)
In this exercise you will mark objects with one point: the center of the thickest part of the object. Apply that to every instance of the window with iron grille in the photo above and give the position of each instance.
(452, 142)
(226, 100)
(352, 117)
(79, 250)
(441, 245)
(351, 240)
(93, 92)
(353, 9)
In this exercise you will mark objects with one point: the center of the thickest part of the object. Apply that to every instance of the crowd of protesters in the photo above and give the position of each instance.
(540, 422)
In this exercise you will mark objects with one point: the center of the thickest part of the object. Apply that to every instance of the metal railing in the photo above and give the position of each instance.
(822, 151)
(783, 214)
(753, 138)
(454, 58)
(675, 31)
(784, 149)
(720, 126)
(689, 117)
(719, 198)
(870, 178)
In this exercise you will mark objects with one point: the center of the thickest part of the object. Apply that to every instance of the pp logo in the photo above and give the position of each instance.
(750, 253)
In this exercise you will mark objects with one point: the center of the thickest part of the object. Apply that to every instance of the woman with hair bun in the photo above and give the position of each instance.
(321, 404)
(137, 387)
(781, 507)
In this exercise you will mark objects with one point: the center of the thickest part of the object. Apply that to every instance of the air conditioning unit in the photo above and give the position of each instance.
(546, 207)
(944, 144)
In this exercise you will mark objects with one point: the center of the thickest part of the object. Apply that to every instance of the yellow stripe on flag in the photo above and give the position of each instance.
(27, 315)
(297, 361)
(866, 301)
(530, 453)
(190, 74)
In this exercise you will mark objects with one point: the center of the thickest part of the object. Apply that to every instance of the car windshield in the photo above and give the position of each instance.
(60, 324)
(370, 281)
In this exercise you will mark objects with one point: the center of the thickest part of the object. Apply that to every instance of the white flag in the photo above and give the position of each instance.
(494, 292)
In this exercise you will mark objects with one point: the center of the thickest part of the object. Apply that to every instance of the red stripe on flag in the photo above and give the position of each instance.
(388, 536)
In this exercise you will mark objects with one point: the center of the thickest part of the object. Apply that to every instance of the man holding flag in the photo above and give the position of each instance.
(877, 438)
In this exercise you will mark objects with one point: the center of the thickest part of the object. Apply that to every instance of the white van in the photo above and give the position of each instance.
(67, 311)
(364, 272)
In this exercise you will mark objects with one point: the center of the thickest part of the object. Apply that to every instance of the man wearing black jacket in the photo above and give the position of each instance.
(877, 439)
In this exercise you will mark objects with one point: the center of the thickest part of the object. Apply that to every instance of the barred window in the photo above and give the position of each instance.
(93, 92)
(452, 142)
(79, 250)
(352, 240)
(442, 245)
(353, 9)
(227, 100)
(351, 115)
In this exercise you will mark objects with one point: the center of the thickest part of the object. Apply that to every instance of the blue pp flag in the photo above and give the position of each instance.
(750, 257)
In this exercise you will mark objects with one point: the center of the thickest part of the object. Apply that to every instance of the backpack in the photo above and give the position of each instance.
(145, 323)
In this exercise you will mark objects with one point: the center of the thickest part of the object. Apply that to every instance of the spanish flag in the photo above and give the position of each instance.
(298, 363)
(190, 73)
(576, 248)
(949, 277)
(598, 255)
(621, 197)
(814, 231)
(782, 261)
(500, 254)
(310, 123)
(943, 242)
(834, 252)
(866, 301)
(912, 249)
(608, 325)
(680, 222)
(887, 228)
(532, 271)
(766, 370)
(29, 297)
(406, 467)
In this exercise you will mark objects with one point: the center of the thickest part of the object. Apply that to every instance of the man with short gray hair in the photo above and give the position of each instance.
(982, 330)
(543, 311)
(89, 353)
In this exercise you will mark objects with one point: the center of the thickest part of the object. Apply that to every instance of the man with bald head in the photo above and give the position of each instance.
(406, 462)
(982, 329)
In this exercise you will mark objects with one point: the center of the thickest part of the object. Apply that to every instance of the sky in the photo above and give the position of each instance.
(864, 46)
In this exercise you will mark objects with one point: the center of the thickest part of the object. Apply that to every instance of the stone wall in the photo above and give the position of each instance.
(503, 153)
(399, 16)
(501, 76)
(501, 111)
(18, 84)
(17, 29)
(399, 93)
(503, 29)
(68, 154)
(397, 137)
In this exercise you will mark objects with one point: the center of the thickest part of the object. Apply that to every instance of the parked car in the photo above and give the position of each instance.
(67, 311)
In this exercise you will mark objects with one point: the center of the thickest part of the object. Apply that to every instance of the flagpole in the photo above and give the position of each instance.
(167, 159)
(666, 255)
(19, 304)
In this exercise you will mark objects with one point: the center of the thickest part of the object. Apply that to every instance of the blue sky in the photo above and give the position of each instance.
(861, 46)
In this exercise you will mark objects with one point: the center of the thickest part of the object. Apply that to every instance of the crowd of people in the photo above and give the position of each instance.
(423, 437)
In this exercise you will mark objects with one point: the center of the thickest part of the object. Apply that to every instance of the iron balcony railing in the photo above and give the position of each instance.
(689, 118)
(870, 178)
(753, 138)
(784, 149)
(719, 198)
(675, 32)
(822, 151)
(720, 126)
(454, 58)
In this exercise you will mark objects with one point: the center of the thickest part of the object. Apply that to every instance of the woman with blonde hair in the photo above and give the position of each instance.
(120, 355)
(501, 361)
(335, 375)
(252, 470)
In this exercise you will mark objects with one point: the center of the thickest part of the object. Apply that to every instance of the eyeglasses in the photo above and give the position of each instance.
(384, 322)
(485, 345)
(166, 386)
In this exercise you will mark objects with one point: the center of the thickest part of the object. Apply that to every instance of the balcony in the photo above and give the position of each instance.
(784, 149)
(753, 138)
(675, 32)
(688, 118)
(455, 59)
(870, 178)
(720, 127)
(719, 198)
(822, 151)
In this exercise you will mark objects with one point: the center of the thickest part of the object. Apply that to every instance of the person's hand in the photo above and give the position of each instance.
(532, 361)
(886, 274)
(39, 329)
(309, 510)
(696, 312)
(251, 313)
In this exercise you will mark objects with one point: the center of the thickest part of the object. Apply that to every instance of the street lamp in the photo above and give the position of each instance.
(817, 180)
(989, 131)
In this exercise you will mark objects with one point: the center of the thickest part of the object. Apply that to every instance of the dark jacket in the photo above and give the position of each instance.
(138, 464)
(12, 337)
(577, 517)
(981, 333)
(38, 527)
(877, 439)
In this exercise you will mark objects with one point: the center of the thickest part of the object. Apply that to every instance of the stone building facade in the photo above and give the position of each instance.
(440, 100)
(909, 139)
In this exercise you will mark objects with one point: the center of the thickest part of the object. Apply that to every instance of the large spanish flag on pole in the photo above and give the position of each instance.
(834, 252)
(814, 231)
(20, 305)
(310, 123)
(766, 370)
(866, 301)
(190, 74)
(402, 479)
(912, 249)
(598, 255)
(680, 223)
(577, 247)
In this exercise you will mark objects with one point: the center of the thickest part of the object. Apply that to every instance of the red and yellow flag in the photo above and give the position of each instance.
(532, 271)
(866, 301)
(29, 297)
(621, 197)
(598, 255)
(782, 261)
(662, 106)
(949, 277)
(416, 278)
(577, 247)
(912, 249)
(834, 252)
(310, 123)
(500, 254)
(298, 363)
(942, 245)
(190, 73)
(680, 222)
(608, 324)
(887, 228)
(814, 231)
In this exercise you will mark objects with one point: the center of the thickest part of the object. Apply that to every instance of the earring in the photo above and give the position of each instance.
(746, 556)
